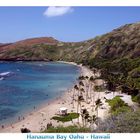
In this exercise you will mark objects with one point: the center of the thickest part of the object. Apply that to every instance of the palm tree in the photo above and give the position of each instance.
(79, 100)
(91, 80)
(92, 119)
(85, 116)
(93, 100)
(86, 87)
(75, 89)
(82, 115)
(93, 89)
(81, 83)
(86, 77)
(81, 77)
(82, 91)
(112, 80)
(98, 104)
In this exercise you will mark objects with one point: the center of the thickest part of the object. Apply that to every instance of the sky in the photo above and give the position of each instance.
(63, 23)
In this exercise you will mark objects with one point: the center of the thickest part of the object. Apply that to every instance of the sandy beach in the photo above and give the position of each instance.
(37, 120)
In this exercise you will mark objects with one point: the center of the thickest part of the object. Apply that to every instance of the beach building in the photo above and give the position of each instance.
(63, 111)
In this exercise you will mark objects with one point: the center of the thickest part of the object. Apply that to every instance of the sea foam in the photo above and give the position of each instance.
(5, 73)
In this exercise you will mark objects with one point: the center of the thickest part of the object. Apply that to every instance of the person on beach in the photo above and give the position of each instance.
(19, 118)
(2, 126)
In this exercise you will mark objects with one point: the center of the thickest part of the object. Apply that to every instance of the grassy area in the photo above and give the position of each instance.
(69, 129)
(66, 118)
(136, 98)
(118, 106)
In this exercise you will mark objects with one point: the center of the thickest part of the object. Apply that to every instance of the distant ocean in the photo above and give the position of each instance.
(24, 85)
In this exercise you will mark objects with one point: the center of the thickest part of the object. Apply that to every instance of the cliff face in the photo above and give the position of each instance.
(123, 42)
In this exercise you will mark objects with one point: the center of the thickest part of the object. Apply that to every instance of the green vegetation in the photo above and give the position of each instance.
(66, 118)
(115, 54)
(99, 88)
(136, 98)
(127, 122)
(69, 129)
(118, 106)
(121, 73)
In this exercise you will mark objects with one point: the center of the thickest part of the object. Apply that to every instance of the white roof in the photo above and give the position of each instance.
(63, 108)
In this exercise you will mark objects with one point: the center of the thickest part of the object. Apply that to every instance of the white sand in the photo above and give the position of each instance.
(38, 120)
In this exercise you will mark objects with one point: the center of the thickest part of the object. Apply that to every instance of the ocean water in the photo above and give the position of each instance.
(24, 85)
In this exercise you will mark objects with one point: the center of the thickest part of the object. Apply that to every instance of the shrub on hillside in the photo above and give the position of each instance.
(118, 106)
(136, 98)
(123, 123)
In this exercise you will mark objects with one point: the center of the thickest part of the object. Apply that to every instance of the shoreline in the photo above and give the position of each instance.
(36, 115)
(38, 119)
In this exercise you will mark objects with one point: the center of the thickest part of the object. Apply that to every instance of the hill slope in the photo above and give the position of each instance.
(116, 53)
(122, 42)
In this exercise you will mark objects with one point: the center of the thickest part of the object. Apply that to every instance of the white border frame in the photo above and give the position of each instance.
(69, 2)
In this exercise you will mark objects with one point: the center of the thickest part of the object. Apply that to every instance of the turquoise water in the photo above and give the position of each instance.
(24, 85)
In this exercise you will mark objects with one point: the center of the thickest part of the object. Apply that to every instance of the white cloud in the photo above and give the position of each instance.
(57, 11)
